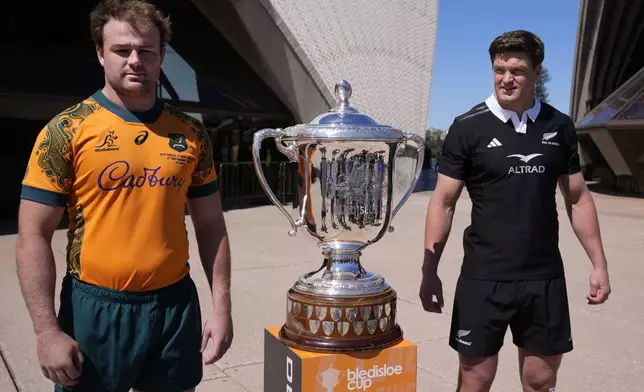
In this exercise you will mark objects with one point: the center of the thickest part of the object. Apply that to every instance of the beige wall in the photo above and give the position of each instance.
(385, 49)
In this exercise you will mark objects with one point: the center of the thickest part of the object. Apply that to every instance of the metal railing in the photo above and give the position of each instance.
(628, 184)
(239, 185)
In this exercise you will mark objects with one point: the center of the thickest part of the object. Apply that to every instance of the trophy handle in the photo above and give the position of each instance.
(420, 147)
(291, 153)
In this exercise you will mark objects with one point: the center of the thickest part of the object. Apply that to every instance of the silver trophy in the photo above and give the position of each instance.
(349, 168)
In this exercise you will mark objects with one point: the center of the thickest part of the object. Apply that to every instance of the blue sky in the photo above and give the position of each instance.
(462, 75)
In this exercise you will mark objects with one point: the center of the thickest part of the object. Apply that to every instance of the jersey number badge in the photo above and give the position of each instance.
(178, 142)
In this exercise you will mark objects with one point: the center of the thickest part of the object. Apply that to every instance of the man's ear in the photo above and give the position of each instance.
(539, 70)
(99, 54)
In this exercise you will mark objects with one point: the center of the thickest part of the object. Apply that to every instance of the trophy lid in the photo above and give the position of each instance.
(344, 122)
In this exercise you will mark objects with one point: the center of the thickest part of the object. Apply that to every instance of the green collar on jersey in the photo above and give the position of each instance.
(149, 116)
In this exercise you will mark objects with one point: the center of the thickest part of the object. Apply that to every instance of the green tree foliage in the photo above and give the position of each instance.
(541, 90)
(434, 140)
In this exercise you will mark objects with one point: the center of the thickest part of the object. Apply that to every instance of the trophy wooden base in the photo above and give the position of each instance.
(340, 324)
(289, 369)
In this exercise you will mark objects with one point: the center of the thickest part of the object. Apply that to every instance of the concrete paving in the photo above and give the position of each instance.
(609, 340)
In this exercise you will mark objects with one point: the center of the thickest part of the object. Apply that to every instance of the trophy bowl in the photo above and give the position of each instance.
(347, 166)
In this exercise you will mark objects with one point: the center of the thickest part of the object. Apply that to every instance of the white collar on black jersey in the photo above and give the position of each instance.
(505, 114)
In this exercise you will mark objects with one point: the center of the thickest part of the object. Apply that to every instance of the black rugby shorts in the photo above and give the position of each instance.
(535, 310)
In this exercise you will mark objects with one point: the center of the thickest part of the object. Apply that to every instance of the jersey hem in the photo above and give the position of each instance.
(513, 277)
(43, 196)
(128, 295)
(203, 190)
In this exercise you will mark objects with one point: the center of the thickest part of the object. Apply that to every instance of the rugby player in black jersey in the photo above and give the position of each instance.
(511, 152)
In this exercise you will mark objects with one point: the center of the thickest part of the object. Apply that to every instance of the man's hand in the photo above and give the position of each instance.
(430, 287)
(599, 286)
(60, 357)
(219, 327)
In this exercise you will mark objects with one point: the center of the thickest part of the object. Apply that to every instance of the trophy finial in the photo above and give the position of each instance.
(343, 93)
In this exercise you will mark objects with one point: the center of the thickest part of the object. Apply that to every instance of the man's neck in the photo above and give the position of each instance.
(520, 107)
(133, 104)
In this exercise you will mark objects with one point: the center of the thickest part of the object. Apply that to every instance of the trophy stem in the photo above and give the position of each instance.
(342, 262)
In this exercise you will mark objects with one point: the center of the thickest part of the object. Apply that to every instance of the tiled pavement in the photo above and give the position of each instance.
(609, 339)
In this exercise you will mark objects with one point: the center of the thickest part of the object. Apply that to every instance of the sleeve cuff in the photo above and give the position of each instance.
(43, 196)
(457, 175)
(203, 190)
(572, 170)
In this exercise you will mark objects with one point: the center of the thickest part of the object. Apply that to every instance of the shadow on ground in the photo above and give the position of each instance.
(604, 189)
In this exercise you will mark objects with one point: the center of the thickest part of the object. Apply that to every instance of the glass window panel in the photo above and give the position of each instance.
(634, 110)
(181, 76)
(627, 102)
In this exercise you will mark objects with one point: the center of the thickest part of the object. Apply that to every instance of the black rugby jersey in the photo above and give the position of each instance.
(510, 168)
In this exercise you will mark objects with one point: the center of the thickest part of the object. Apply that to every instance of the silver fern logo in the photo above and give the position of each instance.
(547, 138)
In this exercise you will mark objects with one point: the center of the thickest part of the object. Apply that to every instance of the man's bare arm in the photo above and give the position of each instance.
(438, 223)
(583, 217)
(214, 249)
(35, 262)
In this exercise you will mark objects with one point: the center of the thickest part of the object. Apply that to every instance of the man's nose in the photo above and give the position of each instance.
(508, 77)
(134, 59)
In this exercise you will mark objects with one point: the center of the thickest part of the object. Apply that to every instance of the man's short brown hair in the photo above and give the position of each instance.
(518, 41)
(131, 11)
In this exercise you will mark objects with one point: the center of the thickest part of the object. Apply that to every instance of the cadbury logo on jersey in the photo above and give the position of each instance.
(526, 168)
(117, 175)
